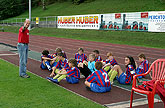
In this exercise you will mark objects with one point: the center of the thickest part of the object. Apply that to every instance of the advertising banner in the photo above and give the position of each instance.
(156, 21)
(79, 22)
(136, 21)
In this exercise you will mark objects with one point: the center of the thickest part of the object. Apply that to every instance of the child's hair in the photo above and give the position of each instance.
(60, 54)
(96, 51)
(109, 54)
(93, 56)
(45, 52)
(141, 55)
(58, 50)
(132, 61)
(98, 65)
(73, 61)
(81, 49)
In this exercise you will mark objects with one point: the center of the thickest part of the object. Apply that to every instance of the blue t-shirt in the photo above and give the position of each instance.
(91, 66)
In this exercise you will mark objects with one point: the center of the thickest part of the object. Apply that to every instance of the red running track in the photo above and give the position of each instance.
(70, 46)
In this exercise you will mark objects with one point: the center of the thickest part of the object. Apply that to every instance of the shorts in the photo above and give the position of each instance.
(95, 88)
(42, 66)
(72, 80)
(54, 64)
(122, 78)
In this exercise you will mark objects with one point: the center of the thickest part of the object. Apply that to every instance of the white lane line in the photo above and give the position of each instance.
(8, 54)
(126, 104)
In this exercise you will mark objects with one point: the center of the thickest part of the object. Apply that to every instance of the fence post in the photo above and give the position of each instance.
(56, 21)
(46, 22)
(16, 21)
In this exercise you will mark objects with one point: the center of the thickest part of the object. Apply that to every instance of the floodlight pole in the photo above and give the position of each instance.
(30, 14)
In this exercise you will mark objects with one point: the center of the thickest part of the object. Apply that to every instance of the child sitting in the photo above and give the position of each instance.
(144, 65)
(125, 77)
(87, 68)
(46, 60)
(80, 56)
(98, 57)
(98, 81)
(72, 73)
(59, 50)
(110, 62)
(62, 63)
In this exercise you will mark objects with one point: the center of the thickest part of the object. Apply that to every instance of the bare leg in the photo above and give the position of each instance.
(118, 69)
(53, 70)
(87, 83)
(44, 62)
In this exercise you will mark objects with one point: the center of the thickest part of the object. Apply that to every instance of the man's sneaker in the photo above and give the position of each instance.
(25, 76)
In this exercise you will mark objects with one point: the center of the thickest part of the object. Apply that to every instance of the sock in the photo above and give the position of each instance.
(55, 77)
(107, 68)
(110, 72)
(61, 77)
(56, 70)
(48, 65)
(113, 75)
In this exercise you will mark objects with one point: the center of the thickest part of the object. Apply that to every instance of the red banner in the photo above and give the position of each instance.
(144, 15)
(117, 16)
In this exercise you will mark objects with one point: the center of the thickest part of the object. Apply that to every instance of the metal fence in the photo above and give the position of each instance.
(50, 21)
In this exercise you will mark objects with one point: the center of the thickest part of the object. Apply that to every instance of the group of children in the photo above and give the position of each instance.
(99, 74)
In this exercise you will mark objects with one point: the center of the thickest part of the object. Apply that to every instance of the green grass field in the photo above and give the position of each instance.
(96, 7)
(145, 39)
(17, 92)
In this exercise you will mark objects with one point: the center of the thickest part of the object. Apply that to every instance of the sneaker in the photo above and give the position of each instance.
(55, 81)
(49, 78)
(25, 76)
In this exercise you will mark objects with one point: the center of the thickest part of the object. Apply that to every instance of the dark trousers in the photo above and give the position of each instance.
(85, 71)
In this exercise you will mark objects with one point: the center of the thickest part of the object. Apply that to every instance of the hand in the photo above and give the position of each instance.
(54, 55)
(59, 72)
(54, 59)
(80, 65)
(85, 62)
(26, 24)
(52, 74)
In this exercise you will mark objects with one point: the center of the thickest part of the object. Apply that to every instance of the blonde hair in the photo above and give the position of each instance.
(109, 54)
(141, 55)
(58, 50)
(92, 55)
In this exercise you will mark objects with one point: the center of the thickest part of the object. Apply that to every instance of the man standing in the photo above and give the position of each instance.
(22, 46)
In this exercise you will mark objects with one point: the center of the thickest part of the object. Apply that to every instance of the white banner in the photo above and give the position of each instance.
(156, 21)
(135, 21)
(78, 22)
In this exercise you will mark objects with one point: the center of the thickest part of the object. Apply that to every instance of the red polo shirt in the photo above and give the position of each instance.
(23, 36)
